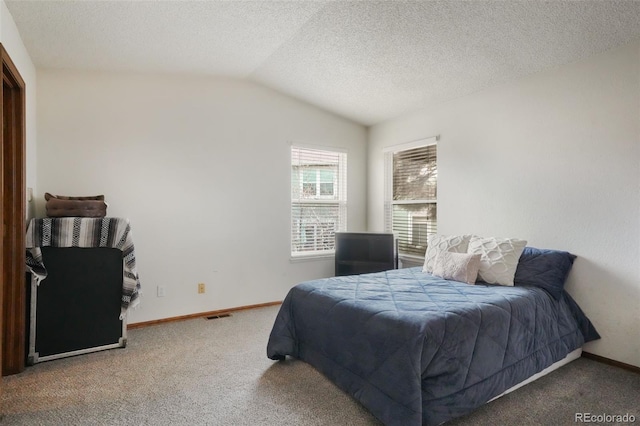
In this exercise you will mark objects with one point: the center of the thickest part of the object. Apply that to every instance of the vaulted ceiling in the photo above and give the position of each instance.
(365, 60)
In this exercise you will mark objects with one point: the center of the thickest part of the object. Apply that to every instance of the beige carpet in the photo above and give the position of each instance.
(215, 372)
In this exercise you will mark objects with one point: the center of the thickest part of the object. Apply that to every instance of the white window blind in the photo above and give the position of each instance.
(411, 209)
(318, 200)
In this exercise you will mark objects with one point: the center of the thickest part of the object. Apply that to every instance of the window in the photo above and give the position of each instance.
(319, 181)
(411, 195)
(318, 200)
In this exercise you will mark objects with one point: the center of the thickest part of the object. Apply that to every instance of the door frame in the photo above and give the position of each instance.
(13, 282)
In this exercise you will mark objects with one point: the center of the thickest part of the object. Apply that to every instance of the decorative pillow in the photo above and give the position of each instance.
(440, 243)
(499, 258)
(461, 267)
(48, 196)
(63, 206)
(547, 269)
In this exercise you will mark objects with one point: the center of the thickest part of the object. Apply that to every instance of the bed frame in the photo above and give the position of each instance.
(571, 356)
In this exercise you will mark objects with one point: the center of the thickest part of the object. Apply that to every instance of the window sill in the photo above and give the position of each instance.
(409, 261)
(411, 258)
(311, 257)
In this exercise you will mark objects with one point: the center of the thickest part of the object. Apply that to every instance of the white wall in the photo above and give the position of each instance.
(201, 167)
(10, 39)
(554, 159)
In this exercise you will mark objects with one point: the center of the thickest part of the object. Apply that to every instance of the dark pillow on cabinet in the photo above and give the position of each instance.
(48, 196)
(63, 206)
(547, 269)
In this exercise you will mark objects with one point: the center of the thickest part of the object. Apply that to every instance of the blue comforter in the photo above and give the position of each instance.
(415, 349)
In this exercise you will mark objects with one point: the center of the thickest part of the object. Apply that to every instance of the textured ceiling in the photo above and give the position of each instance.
(365, 60)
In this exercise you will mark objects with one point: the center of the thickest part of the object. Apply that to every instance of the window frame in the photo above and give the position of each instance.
(389, 202)
(338, 199)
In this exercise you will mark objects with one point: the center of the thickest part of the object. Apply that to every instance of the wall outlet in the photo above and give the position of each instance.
(200, 288)
(160, 291)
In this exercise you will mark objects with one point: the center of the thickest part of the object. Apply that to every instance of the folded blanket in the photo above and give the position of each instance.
(85, 232)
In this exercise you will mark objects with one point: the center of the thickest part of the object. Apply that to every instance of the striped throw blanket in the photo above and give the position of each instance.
(85, 232)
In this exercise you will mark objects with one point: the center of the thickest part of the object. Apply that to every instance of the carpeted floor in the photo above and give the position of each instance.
(215, 372)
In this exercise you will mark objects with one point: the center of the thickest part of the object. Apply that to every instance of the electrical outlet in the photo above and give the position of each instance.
(200, 288)
(160, 291)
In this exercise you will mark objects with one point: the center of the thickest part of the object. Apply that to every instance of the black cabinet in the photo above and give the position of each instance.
(361, 253)
(76, 309)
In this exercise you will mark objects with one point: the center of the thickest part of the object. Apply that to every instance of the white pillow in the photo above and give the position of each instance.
(461, 267)
(499, 258)
(440, 243)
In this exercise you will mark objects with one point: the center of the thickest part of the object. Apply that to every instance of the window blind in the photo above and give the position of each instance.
(411, 197)
(318, 200)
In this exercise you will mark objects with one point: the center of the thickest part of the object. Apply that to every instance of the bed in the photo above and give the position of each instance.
(417, 349)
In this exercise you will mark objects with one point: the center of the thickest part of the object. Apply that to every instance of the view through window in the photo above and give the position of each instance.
(318, 200)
